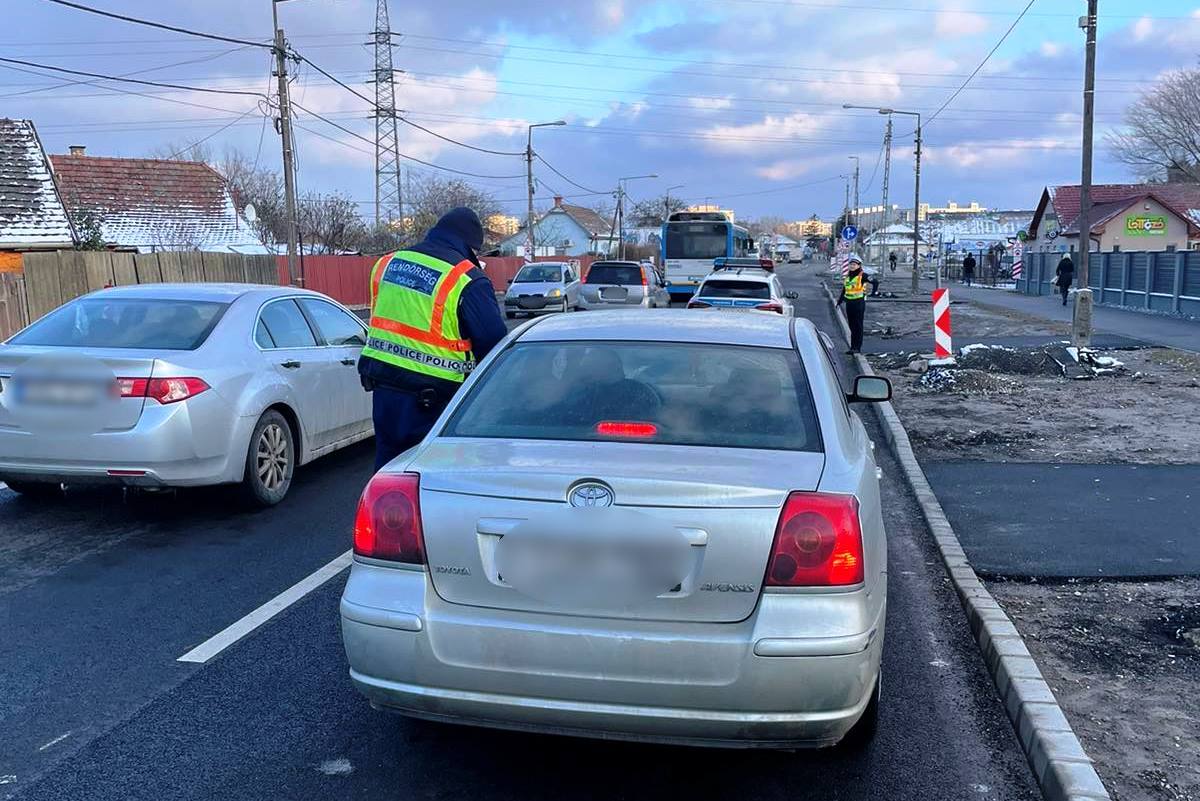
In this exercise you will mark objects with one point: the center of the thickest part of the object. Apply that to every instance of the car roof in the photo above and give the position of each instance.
(221, 293)
(619, 261)
(741, 274)
(668, 325)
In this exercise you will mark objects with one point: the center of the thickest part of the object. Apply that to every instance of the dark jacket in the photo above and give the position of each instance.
(1065, 271)
(969, 263)
(457, 236)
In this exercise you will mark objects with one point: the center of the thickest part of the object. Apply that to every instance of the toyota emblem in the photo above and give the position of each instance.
(590, 494)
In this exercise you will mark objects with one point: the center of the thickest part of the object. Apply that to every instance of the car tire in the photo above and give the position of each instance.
(863, 732)
(36, 490)
(270, 460)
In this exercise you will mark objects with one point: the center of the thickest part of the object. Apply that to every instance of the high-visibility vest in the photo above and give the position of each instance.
(853, 287)
(414, 315)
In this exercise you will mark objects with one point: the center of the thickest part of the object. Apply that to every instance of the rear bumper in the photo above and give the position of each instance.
(763, 682)
(535, 305)
(187, 444)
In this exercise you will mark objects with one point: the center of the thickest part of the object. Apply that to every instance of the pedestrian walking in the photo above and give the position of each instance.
(968, 269)
(854, 295)
(433, 317)
(1065, 276)
(892, 261)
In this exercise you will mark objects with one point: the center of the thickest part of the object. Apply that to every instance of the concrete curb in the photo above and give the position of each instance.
(1062, 768)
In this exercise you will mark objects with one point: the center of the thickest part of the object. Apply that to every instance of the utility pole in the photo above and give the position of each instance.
(887, 177)
(621, 220)
(916, 276)
(530, 242)
(846, 204)
(1081, 323)
(389, 202)
(293, 275)
(857, 166)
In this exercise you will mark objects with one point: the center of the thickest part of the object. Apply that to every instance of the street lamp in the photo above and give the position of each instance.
(667, 200)
(916, 277)
(621, 210)
(857, 166)
(529, 240)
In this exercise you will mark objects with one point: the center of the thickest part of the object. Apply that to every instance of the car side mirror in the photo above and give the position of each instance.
(792, 295)
(870, 389)
(510, 282)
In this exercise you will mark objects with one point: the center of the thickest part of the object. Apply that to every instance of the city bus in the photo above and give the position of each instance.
(690, 242)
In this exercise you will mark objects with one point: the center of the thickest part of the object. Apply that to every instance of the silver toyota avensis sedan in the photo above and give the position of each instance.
(636, 524)
(181, 385)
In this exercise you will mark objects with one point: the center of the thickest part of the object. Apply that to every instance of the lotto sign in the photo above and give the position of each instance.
(1018, 266)
(1146, 226)
(942, 347)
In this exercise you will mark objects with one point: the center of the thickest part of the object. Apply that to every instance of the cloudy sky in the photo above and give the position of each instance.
(739, 101)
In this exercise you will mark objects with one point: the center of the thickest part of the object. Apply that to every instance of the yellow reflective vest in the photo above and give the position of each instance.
(853, 286)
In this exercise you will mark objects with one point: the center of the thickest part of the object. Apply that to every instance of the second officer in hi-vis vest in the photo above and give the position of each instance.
(854, 295)
(434, 316)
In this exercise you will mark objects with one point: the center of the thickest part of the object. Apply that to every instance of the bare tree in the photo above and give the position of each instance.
(1161, 138)
(330, 223)
(430, 198)
(250, 184)
(185, 151)
(654, 211)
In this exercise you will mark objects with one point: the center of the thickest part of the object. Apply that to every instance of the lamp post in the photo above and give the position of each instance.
(857, 166)
(621, 210)
(529, 239)
(667, 200)
(916, 277)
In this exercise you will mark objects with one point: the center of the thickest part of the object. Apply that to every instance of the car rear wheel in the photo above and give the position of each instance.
(864, 730)
(270, 460)
(36, 490)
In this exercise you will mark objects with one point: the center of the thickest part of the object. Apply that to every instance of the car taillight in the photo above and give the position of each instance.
(767, 264)
(772, 307)
(163, 390)
(388, 523)
(644, 281)
(818, 542)
(698, 304)
(611, 428)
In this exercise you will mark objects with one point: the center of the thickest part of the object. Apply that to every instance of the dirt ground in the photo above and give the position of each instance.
(1015, 405)
(893, 319)
(1123, 658)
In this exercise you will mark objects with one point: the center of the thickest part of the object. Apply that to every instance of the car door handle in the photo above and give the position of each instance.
(348, 362)
(290, 364)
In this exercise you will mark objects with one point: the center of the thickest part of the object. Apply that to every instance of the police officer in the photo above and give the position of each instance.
(854, 295)
(433, 317)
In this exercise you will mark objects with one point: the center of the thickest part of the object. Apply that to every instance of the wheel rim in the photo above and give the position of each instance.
(271, 458)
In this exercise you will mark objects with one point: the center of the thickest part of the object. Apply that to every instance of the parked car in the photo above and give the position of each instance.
(176, 385)
(632, 524)
(623, 283)
(540, 287)
(743, 289)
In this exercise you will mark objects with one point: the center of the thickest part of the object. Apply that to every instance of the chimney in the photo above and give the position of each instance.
(78, 150)
(558, 201)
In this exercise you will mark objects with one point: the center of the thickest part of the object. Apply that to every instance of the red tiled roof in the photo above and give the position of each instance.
(152, 202)
(1179, 198)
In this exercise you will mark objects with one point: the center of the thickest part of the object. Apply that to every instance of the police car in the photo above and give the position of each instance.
(743, 285)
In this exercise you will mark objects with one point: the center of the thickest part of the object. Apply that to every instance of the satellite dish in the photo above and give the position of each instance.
(250, 213)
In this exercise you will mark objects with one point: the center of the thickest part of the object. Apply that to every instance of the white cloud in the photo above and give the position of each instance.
(734, 138)
(1142, 29)
(1050, 49)
(784, 170)
(952, 24)
(711, 103)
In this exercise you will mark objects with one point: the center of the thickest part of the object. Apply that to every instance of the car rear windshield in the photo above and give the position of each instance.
(727, 288)
(137, 323)
(666, 393)
(623, 274)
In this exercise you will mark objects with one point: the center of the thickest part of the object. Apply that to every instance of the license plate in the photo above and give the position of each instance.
(60, 394)
(614, 293)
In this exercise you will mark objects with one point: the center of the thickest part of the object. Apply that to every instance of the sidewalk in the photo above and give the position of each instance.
(1151, 329)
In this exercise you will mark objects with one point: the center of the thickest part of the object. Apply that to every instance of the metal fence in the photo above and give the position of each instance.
(1165, 281)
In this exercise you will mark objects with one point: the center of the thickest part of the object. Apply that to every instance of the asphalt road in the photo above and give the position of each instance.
(98, 597)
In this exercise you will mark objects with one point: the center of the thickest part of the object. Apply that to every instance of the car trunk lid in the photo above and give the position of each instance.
(501, 530)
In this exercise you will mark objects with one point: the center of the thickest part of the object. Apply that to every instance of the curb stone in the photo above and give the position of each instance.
(1062, 768)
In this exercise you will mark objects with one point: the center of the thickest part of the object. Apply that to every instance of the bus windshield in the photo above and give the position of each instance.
(697, 240)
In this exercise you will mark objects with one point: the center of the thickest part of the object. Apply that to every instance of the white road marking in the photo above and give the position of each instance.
(336, 767)
(55, 741)
(228, 636)
(8, 778)
(3, 486)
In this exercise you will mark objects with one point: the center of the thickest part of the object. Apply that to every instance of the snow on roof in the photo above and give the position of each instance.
(153, 203)
(32, 214)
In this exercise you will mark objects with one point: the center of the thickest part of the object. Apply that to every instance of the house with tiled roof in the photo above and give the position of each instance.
(1137, 217)
(565, 230)
(32, 214)
(151, 205)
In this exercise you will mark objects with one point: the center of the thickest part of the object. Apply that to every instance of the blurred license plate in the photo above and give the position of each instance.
(614, 293)
(65, 394)
(588, 573)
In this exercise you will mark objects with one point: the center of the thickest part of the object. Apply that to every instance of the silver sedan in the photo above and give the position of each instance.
(165, 385)
(633, 524)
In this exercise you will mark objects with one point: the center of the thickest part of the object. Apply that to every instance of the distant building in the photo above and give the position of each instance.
(150, 205)
(32, 213)
(812, 227)
(896, 237)
(565, 230)
(502, 224)
(710, 207)
(1151, 217)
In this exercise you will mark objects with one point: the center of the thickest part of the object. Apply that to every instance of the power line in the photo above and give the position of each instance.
(138, 81)
(357, 135)
(568, 180)
(222, 129)
(975, 72)
(162, 26)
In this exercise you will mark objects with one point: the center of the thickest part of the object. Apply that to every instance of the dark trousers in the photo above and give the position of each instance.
(855, 311)
(400, 422)
(1065, 289)
(968, 276)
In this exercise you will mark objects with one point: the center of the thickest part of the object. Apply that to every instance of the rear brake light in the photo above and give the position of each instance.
(771, 307)
(766, 264)
(388, 523)
(611, 428)
(818, 542)
(644, 281)
(698, 304)
(163, 390)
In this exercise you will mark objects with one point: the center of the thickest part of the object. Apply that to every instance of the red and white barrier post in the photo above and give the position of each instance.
(942, 346)
(1018, 258)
